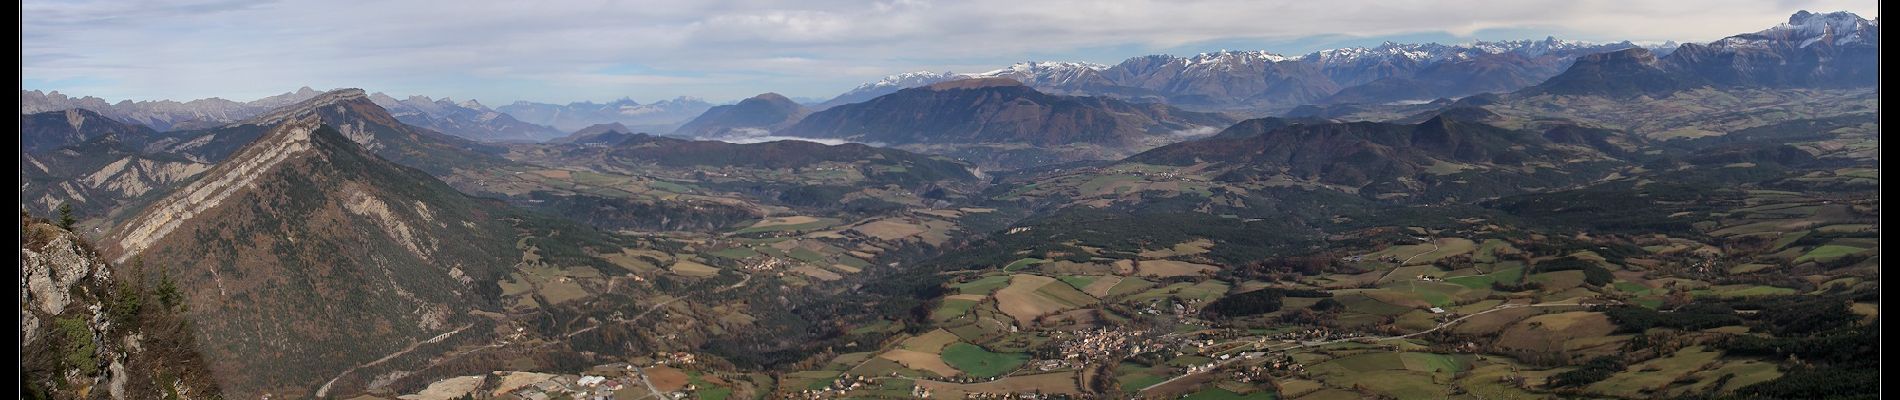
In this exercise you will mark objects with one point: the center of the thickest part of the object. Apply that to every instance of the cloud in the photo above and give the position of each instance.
(563, 51)
(756, 135)
(1195, 132)
(763, 139)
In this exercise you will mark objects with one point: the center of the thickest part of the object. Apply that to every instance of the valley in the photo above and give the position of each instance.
(1564, 220)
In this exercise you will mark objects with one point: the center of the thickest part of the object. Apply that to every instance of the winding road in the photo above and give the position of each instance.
(325, 389)
(438, 338)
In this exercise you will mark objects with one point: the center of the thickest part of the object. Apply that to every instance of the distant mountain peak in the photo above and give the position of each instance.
(1806, 28)
(1225, 56)
(771, 96)
(974, 83)
(309, 106)
(1032, 67)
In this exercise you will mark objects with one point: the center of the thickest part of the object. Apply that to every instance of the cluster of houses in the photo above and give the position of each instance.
(677, 358)
(838, 388)
(766, 264)
(1313, 335)
(1101, 344)
(547, 386)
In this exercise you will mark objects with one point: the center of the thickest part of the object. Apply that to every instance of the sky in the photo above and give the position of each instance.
(593, 50)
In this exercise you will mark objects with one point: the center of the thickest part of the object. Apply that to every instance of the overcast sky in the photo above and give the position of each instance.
(561, 51)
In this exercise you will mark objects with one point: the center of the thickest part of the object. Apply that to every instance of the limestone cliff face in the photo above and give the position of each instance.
(94, 163)
(288, 139)
(88, 332)
(54, 274)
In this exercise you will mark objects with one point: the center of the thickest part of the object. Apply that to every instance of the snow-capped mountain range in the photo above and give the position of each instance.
(1805, 29)
(1831, 50)
(1256, 78)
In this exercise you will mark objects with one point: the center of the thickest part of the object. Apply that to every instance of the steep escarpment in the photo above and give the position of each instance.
(304, 254)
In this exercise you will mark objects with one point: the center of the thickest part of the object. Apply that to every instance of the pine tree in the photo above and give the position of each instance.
(66, 216)
(168, 293)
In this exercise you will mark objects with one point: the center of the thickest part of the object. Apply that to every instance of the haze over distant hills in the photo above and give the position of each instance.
(577, 115)
(1528, 219)
(1251, 82)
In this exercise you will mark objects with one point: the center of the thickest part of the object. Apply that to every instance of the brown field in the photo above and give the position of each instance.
(792, 220)
(942, 213)
(970, 297)
(1191, 247)
(1294, 388)
(921, 361)
(1020, 300)
(929, 342)
(693, 269)
(819, 273)
(451, 388)
(1551, 333)
(1060, 382)
(1167, 268)
(1398, 298)
(889, 229)
(516, 380)
(1101, 286)
(1331, 394)
(667, 379)
(556, 174)
(630, 260)
(1352, 281)
(846, 268)
(562, 290)
(1492, 322)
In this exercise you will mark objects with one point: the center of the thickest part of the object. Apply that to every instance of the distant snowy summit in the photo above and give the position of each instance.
(1254, 78)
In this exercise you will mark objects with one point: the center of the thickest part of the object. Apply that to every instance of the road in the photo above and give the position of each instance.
(1441, 325)
(325, 389)
(438, 338)
(657, 307)
(1435, 248)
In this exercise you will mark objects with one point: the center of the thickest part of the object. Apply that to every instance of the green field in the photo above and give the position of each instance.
(1019, 264)
(951, 308)
(984, 286)
(1139, 380)
(1828, 252)
(1130, 285)
(979, 362)
(1743, 291)
(734, 253)
(819, 223)
(1079, 281)
(706, 390)
(1506, 275)
(807, 255)
(1631, 288)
